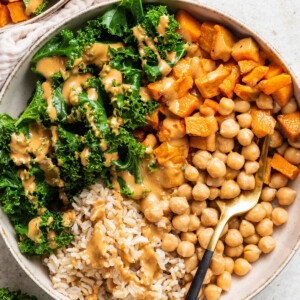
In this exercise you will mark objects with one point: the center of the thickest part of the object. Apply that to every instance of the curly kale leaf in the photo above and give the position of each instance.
(60, 105)
(40, 9)
(124, 189)
(7, 127)
(6, 294)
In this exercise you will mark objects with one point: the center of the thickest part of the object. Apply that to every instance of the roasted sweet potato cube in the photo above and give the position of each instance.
(201, 126)
(222, 43)
(158, 88)
(182, 67)
(17, 11)
(204, 143)
(182, 85)
(4, 15)
(245, 49)
(209, 107)
(188, 24)
(166, 152)
(274, 70)
(283, 166)
(247, 93)
(170, 130)
(227, 86)
(184, 106)
(246, 66)
(290, 124)
(283, 95)
(153, 119)
(255, 75)
(273, 84)
(208, 85)
(262, 123)
(267, 176)
(207, 35)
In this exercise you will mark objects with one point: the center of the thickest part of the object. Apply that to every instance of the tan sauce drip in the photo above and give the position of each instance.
(32, 6)
(34, 232)
(68, 218)
(51, 173)
(92, 94)
(18, 147)
(109, 157)
(162, 25)
(51, 237)
(91, 120)
(103, 145)
(98, 211)
(84, 156)
(171, 56)
(112, 79)
(47, 89)
(145, 94)
(50, 65)
(54, 133)
(150, 265)
(28, 184)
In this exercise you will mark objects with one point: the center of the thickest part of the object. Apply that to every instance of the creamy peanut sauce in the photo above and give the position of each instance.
(50, 65)
(84, 156)
(171, 56)
(47, 89)
(32, 6)
(145, 94)
(94, 295)
(91, 120)
(68, 218)
(103, 145)
(34, 232)
(112, 80)
(51, 173)
(51, 236)
(28, 184)
(162, 25)
(19, 152)
(54, 134)
(109, 157)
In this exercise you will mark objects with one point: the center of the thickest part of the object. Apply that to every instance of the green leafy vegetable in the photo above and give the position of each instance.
(40, 9)
(6, 294)
(124, 189)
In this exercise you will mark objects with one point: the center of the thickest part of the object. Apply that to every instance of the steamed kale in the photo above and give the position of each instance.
(6, 294)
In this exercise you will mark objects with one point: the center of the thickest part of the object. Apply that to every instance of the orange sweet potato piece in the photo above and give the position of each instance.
(290, 124)
(4, 15)
(267, 176)
(184, 106)
(227, 86)
(209, 107)
(283, 95)
(167, 131)
(283, 166)
(208, 84)
(273, 84)
(201, 126)
(246, 93)
(158, 88)
(182, 85)
(17, 11)
(182, 67)
(166, 152)
(274, 70)
(204, 143)
(188, 24)
(262, 123)
(245, 49)
(207, 35)
(255, 75)
(153, 119)
(246, 66)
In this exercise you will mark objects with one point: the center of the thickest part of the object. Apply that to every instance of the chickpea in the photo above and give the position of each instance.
(276, 139)
(194, 223)
(267, 194)
(201, 159)
(186, 249)
(220, 247)
(154, 214)
(256, 214)
(185, 190)
(282, 148)
(290, 107)
(188, 277)
(187, 287)
(266, 244)
(225, 230)
(151, 142)
(246, 229)
(264, 101)
(231, 173)
(212, 292)
(241, 267)
(251, 167)
(245, 137)
(252, 239)
(191, 263)
(275, 109)
(229, 128)
(246, 181)
(220, 155)
(226, 106)
(181, 222)
(178, 205)
(169, 242)
(217, 264)
(191, 173)
(286, 196)
(225, 145)
(216, 168)
(251, 253)
(202, 177)
(205, 236)
(215, 182)
(198, 206)
(149, 201)
(214, 193)
(295, 144)
(200, 192)
(189, 237)
(241, 106)
(279, 216)
(229, 190)
(244, 120)
(234, 223)
(209, 217)
(224, 281)
(278, 180)
(251, 152)
(268, 208)
(292, 155)
(234, 251)
(264, 227)
(229, 264)
(235, 160)
(233, 238)
(200, 254)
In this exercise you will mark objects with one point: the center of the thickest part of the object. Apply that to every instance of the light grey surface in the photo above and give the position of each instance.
(278, 21)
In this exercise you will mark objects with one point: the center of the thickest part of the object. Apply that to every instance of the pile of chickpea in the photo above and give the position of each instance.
(224, 174)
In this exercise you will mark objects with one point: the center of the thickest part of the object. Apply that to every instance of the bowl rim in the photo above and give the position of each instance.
(233, 19)
(48, 11)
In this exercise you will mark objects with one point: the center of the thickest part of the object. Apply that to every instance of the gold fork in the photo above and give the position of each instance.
(230, 208)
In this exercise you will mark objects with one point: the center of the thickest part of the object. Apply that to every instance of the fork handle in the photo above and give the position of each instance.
(199, 276)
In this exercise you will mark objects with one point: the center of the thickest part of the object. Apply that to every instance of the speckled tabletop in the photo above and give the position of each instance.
(277, 21)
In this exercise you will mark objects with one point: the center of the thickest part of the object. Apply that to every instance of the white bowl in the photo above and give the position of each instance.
(18, 89)
(51, 7)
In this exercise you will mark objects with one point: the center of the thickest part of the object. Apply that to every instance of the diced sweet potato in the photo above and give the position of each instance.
(209, 107)
(283, 95)
(290, 124)
(245, 49)
(17, 11)
(246, 66)
(208, 85)
(4, 15)
(273, 84)
(189, 24)
(207, 34)
(182, 85)
(246, 93)
(283, 166)
(166, 152)
(222, 43)
(204, 143)
(262, 58)
(153, 119)
(182, 67)
(201, 126)
(227, 86)
(184, 106)
(267, 176)
(262, 123)
(274, 70)
(171, 128)
(158, 88)
(201, 66)
(255, 75)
